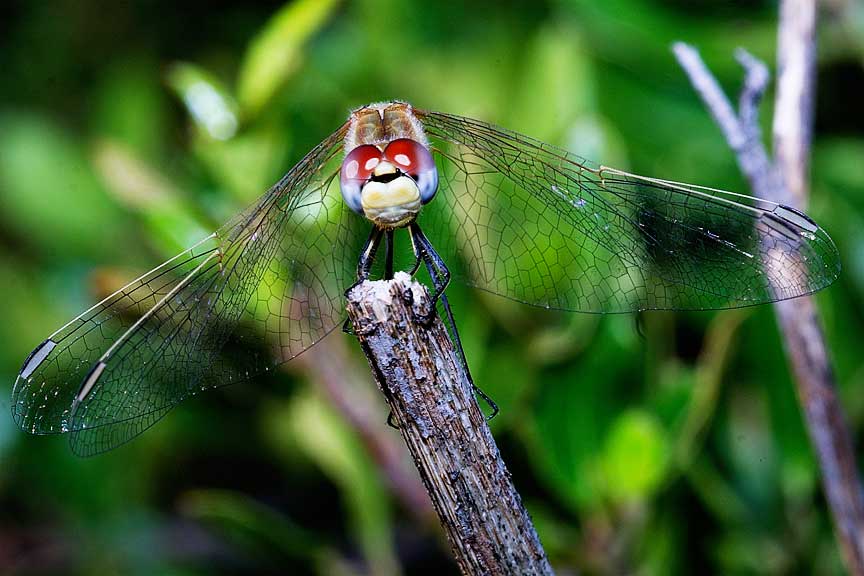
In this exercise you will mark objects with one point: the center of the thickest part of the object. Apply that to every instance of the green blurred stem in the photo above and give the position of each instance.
(260, 528)
(709, 377)
(345, 386)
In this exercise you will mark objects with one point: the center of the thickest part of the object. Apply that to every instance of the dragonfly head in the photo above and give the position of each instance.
(389, 186)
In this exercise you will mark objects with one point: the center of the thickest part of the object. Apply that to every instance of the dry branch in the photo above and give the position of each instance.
(433, 404)
(785, 181)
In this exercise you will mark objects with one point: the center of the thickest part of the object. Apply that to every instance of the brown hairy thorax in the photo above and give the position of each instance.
(381, 123)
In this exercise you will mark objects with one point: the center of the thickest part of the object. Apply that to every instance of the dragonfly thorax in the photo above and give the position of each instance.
(388, 173)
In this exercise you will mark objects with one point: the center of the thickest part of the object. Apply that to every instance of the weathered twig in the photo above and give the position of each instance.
(432, 403)
(793, 106)
(799, 321)
(784, 181)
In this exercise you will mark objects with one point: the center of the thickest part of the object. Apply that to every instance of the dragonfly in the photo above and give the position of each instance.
(523, 219)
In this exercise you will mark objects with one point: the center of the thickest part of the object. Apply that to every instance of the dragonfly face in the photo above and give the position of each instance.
(529, 221)
(388, 172)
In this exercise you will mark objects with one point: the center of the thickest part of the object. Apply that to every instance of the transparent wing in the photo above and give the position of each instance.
(274, 274)
(536, 224)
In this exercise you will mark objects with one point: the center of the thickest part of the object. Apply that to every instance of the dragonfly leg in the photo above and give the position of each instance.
(457, 343)
(388, 255)
(364, 266)
(391, 422)
(367, 257)
(424, 252)
(347, 328)
(421, 253)
(489, 402)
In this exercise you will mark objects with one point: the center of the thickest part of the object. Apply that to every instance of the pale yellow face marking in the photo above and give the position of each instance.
(390, 194)
(384, 168)
(391, 204)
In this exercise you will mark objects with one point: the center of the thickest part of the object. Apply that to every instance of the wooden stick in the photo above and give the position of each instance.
(422, 379)
(785, 182)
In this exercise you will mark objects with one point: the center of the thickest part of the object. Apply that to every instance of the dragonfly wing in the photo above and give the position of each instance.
(536, 224)
(44, 391)
(274, 274)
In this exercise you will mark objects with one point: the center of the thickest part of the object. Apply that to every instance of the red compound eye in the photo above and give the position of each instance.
(356, 170)
(411, 157)
(415, 160)
(360, 162)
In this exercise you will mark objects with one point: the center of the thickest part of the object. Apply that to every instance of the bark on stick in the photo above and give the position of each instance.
(423, 381)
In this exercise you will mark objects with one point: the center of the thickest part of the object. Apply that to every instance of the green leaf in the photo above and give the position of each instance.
(145, 190)
(49, 194)
(275, 54)
(558, 78)
(211, 106)
(574, 407)
(260, 529)
(129, 106)
(635, 457)
(247, 165)
(336, 449)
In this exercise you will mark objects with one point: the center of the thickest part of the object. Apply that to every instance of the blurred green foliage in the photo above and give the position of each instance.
(663, 444)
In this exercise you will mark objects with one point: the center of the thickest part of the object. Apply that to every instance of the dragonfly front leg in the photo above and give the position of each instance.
(457, 343)
(364, 266)
(388, 255)
(425, 252)
(438, 271)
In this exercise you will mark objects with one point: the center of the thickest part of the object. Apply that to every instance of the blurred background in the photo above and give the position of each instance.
(659, 443)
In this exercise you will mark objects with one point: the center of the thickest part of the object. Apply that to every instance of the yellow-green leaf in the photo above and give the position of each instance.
(636, 456)
(277, 51)
(211, 106)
